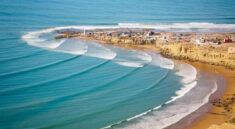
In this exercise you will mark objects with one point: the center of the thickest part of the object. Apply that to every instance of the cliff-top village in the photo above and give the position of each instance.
(145, 36)
(211, 48)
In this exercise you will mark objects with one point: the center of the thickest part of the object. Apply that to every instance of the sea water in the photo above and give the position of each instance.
(74, 83)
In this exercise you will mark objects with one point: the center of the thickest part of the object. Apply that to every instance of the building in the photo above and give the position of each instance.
(200, 41)
(228, 40)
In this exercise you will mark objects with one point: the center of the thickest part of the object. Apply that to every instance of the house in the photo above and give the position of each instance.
(150, 33)
(90, 34)
(200, 41)
(228, 40)
(186, 40)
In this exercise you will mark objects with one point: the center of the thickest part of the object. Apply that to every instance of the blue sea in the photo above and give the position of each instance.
(78, 84)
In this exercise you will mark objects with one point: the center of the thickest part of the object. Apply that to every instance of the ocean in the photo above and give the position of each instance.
(79, 84)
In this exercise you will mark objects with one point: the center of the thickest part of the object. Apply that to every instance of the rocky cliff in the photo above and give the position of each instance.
(211, 54)
(221, 55)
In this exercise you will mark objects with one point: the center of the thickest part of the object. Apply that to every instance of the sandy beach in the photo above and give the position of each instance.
(127, 64)
(222, 114)
(218, 117)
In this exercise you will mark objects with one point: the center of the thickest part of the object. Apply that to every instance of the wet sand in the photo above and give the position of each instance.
(218, 115)
(209, 115)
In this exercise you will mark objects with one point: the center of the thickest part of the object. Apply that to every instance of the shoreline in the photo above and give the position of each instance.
(193, 118)
(214, 117)
(218, 117)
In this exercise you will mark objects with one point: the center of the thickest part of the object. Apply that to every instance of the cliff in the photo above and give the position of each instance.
(210, 54)
(220, 55)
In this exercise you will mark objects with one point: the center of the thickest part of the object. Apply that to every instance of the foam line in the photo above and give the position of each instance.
(134, 59)
(188, 72)
(130, 64)
(34, 38)
(162, 62)
(188, 81)
(166, 121)
(100, 51)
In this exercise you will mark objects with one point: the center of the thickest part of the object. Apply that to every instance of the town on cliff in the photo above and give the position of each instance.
(211, 48)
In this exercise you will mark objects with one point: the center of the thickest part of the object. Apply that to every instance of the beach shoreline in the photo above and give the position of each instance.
(211, 58)
(210, 116)
(218, 117)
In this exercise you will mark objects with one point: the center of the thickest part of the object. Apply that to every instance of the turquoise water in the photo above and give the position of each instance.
(75, 83)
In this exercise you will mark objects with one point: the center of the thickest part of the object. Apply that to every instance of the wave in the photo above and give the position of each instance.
(53, 80)
(85, 92)
(99, 51)
(133, 58)
(63, 98)
(162, 62)
(74, 120)
(21, 57)
(158, 26)
(44, 39)
(164, 118)
(130, 64)
(72, 46)
(39, 67)
(183, 27)
(189, 74)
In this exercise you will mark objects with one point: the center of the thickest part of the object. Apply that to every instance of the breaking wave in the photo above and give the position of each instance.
(133, 58)
(183, 27)
(162, 62)
(157, 118)
(180, 27)
(45, 39)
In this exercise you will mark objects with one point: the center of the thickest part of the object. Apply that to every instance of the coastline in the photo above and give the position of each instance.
(215, 117)
(218, 117)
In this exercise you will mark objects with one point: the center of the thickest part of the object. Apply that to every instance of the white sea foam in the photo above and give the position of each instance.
(162, 62)
(100, 51)
(133, 58)
(130, 64)
(95, 50)
(184, 27)
(158, 26)
(73, 46)
(168, 116)
(33, 38)
(163, 118)
(188, 72)
(144, 57)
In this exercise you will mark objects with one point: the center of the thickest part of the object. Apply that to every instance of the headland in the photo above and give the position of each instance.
(210, 52)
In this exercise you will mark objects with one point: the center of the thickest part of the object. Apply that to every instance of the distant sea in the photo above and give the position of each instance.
(74, 83)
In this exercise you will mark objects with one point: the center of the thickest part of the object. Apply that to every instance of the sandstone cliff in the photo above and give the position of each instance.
(211, 54)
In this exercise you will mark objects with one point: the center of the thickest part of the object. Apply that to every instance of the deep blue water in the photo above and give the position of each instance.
(82, 84)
